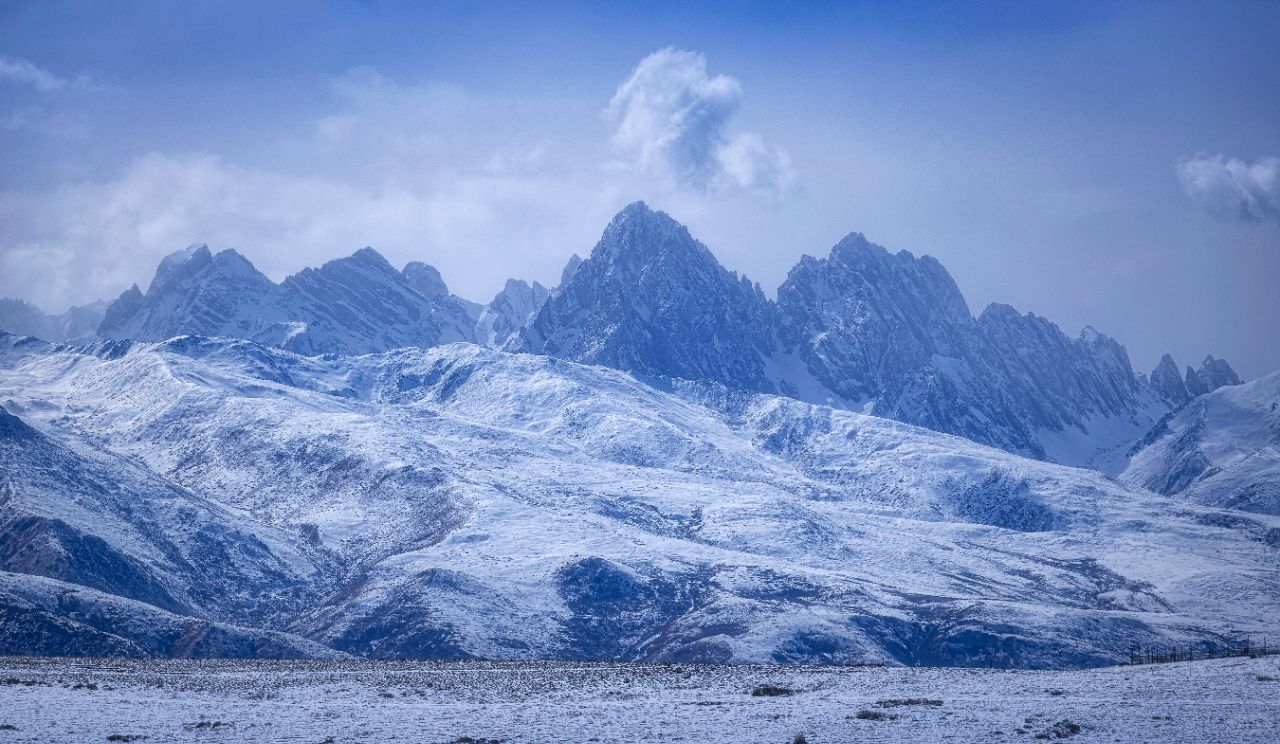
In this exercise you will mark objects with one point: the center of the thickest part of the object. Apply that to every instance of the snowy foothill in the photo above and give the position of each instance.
(460, 502)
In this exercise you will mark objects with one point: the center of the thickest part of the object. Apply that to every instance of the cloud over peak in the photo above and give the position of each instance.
(671, 114)
(1234, 189)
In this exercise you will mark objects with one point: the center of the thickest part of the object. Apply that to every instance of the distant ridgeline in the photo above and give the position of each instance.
(862, 329)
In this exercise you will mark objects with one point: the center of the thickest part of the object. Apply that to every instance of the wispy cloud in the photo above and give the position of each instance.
(26, 72)
(1234, 189)
(670, 113)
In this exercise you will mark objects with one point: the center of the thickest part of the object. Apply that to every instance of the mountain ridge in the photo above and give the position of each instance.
(862, 328)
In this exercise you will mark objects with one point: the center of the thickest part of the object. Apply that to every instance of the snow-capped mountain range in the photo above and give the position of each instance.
(862, 329)
(653, 460)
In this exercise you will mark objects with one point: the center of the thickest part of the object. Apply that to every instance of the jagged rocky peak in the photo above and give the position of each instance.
(1216, 373)
(25, 319)
(351, 305)
(999, 315)
(509, 311)
(366, 258)
(652, 300)
(521, 294)
(859, 273)
(1168, 383)
(81, 321)
(118, 312)
(1195, 385)
(864, 319)
(179, 265)
(177, 272)
(1213, 374)
(361, 304)
(426, 279)
(194, 292)
(1107, 350)
(640, 237)
(569, 268)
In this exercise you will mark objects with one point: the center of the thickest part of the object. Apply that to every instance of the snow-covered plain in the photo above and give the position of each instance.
(1233, 701)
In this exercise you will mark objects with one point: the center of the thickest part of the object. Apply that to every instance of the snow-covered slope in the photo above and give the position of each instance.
(41, 616)
(1222, 448)
(79, 514)
(460, 501)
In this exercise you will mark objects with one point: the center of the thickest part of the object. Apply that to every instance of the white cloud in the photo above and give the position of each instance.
(91, 240)
(1234, 189)
(670, 114)
(425, 172)
(29, 73)
(750, 162)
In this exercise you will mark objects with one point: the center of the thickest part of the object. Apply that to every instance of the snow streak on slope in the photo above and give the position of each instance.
(469, 502)
(1222, 449)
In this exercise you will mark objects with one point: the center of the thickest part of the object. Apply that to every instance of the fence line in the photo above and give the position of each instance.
(1165, 654)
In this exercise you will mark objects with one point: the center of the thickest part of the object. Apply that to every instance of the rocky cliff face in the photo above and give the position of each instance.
(1177, 390)
(1213, 374)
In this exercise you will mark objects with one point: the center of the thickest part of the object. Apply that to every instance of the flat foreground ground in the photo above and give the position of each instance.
(78, 700)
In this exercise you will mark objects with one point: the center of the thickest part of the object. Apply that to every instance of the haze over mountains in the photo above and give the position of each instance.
(676, 467)
(863, 329)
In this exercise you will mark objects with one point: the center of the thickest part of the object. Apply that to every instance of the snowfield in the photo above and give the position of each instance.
(1232, 701)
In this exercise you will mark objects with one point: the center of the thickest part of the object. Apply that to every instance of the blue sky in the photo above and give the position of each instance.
(1111, 164)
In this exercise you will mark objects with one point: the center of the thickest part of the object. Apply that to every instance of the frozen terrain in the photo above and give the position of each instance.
(1221, 448)
(460, 502)
(1235, 701)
